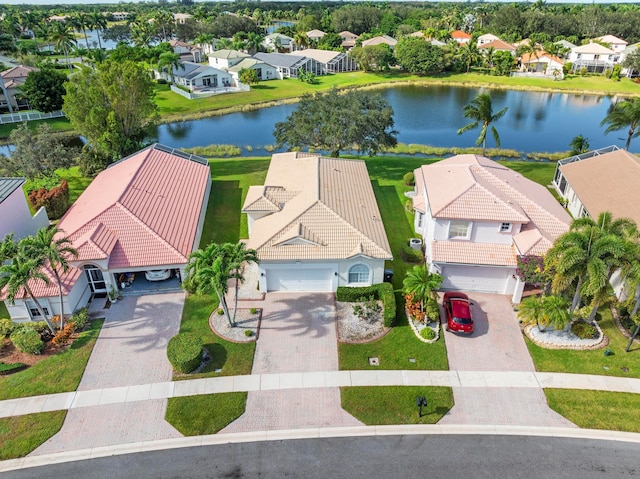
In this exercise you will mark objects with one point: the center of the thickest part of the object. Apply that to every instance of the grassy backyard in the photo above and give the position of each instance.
(20, 435)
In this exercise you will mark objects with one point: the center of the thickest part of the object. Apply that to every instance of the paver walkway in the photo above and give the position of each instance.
(130, 351)
(297, 334)
(495, 345)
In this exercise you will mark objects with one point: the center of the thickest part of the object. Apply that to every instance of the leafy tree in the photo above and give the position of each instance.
(421, 284)
(37, 154)
(334, 121)
(579, 144)
(632, 62)
(480, 110)
(374, 57)
(418, 56)
(503, 63)
(111, 106)
(624, 114)
(331, 41)
(44, 89)
(248, 76)
(228, 25)
(357, 19)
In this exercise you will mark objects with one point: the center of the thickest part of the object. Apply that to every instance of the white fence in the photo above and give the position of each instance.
(208, 93)
(28, 116)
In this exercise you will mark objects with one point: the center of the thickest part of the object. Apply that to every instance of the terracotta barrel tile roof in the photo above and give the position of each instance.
(466, 252)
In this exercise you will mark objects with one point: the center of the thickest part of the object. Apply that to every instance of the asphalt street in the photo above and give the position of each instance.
(465, 456)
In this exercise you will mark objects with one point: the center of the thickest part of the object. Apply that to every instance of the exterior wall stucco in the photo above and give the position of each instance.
(16, 216)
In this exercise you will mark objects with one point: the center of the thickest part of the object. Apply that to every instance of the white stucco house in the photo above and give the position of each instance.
(592, 56)
(289, 65)
(225, 59)
(263, 69)
(197, 77)
(15, 215)
(476, 217)
(277, 42)
(486, 38)
(144, 212)
(315, 225)
(616, 44)
(542, 62)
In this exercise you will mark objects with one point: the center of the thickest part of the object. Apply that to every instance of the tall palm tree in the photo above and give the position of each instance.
(480, 111)
(579, 144)
(163, 19)
(56, 250)
(142, 33)
(224, 43)
(169, 61)
(82, 21)
(624, 114)
(238, 257)
(98, 22)
(253, 42)
(422, 284)
(469, 54)
(64, 39)
(301, 40)
(29, 20)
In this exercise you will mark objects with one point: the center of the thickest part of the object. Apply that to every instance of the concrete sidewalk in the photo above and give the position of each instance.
(322, 379)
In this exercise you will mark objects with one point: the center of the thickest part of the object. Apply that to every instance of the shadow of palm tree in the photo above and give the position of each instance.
(306, 313)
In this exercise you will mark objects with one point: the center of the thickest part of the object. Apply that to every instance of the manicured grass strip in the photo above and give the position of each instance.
(22, 434)
(205, 414)
(608, 410)
(56, 124)
(56, 374)
(383, 405)
(591, 362)
(234, 359)
(77, 182)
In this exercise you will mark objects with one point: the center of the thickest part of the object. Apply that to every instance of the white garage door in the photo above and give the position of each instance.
(299, 280)
(470, 278)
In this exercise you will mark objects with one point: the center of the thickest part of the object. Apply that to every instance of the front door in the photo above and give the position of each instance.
(95, 278)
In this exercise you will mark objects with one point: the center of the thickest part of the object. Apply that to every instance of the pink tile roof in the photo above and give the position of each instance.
(466, 252)
(459, 34)
(497, 45)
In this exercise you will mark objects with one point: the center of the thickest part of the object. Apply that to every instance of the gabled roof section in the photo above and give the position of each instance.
(594, 48)
(95, 244)
(460, 35)
(322, 56)
(285, 60)
(8, 186)
(612, 40)
(20, 71)
(497, 45)
(298, 231)
(465, 252)
(228, 54)
(315, 33)
(379, 40)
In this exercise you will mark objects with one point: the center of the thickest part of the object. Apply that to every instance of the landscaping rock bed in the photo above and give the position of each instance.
(417, 327)
(352, 329)
(552, 339)
(245, 320)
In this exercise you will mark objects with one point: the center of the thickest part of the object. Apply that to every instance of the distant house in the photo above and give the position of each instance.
(144, 212)
(476, 217)
(348, 39)
(119, 16)
(13, 79)
(566, 44)
(15, 213)
(182, 17)
(330, 61)
(226, 58)
(541, 62)
(460, 37)
(380, 40)
(185, 49)
(487, 38)
(498, 46)
(263, 69)
(277, 42)
(315, 225)
(289, 65)
(616, 44)
(593, 57)
(196, 76)
(630, 72)
(315, 35)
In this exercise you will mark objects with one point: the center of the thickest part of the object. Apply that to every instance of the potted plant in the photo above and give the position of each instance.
(113, 294)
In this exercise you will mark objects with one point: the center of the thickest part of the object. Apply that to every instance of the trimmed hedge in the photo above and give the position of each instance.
(27, 340)
(382, 292)
(185, 352)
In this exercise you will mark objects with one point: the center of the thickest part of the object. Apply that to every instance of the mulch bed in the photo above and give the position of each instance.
(9, 354)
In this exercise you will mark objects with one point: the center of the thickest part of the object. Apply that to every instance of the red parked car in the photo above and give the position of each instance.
(458, 310)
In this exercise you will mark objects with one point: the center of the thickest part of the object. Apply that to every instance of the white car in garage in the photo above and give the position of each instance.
(157, 274)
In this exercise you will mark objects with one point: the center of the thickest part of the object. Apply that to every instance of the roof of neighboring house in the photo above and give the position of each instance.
(418, 34)
(246, 63)
(540, 57)
(607, 182)
(566, 44)
(475, 188)
(630, 48)
(488, 36)
(190, 70)
(315, 33)
(16, 76)
(612, 40)
(382, 39)
(8, 186)
(280, 36)
(466, 252)
(322, 56)
(347, 35)
(228, 54)
(182, 16)
(595, 48)
(317, 208)
(497, 45)
(459, 35)
(179, 43)
(285, 60)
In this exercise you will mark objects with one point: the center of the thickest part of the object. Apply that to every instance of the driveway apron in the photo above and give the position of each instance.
(297, 334)
(496, 345)
(131, 350)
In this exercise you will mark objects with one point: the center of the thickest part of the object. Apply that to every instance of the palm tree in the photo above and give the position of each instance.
(469, 54)
(301, 40)
(56, 249)
(80, 21)
(163, 19)
(29, 20)
(481, 112)
(224, 43)
(238, 257)
(253, 42)
(624, 114)
(64, 39)
(422, 284)
(579, 144)
(8, 248)
(142, 33)
(531, 310)
(170, 61)
(97, 21)
(545, 311)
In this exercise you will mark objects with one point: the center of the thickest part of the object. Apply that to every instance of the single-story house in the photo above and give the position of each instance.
(278, 42)
(487, 38)
(13, 79)
(225, 59)
(315, 225)
(196, 76)
(15, 213)
(315, 35)
(616, 44)
(380, 40)
(542, 62)
(288, 65)
(592, 56)
(476, 217)
(348, 39)
(144, 212)
(330, 61)
(460, 37)
(498, 46)
(264, 70)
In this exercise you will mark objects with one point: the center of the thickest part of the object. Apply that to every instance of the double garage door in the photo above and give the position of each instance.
(300, 280)
(470, 278)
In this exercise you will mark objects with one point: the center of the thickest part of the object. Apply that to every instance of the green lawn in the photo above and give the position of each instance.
(56, 374)
(205, 414)
(612, 411)
(77, 182)
(382, 405)
(591, 362)
(56, 124)
(20, 435)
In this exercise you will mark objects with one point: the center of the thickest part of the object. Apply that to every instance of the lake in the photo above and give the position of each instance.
(431, 115)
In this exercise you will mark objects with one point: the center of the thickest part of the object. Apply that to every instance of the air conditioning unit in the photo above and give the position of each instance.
(415, 243)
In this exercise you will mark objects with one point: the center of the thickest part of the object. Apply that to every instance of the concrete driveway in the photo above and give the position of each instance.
(496, 345)
(297, 334)
(131, 350)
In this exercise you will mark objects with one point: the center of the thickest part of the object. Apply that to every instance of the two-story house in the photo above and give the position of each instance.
(476, 217)
(593, 57)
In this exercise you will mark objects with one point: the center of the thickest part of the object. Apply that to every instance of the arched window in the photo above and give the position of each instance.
(359, 273)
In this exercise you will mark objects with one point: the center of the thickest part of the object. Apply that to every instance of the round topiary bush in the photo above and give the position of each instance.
(6, 327)
(27, 340)
(428, 334)
(184, 352)
(584, 330)
(409, 179)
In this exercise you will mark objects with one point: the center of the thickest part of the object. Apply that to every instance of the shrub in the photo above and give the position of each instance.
(80, 318)
(382, 292)
(220, 312)
(584, 330)
(63, 336)
(432, 309)
(27, 340)
(11, 368)
(428, 333)
(409, 179)
(253, 310)
(408, 205)
(55, 200)
(161, 81)
(6, 326)
(248, 333)
(413, 308)
(411, 255)
(184, 352)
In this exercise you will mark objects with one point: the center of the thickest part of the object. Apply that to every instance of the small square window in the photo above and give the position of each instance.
(505, 227)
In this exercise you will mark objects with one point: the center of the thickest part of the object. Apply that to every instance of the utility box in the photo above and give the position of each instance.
(415, 243)
(388, 275)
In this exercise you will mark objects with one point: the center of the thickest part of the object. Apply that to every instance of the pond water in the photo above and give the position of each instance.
(431, 115)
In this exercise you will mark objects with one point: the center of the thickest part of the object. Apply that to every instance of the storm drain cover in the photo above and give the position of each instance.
(374, 361)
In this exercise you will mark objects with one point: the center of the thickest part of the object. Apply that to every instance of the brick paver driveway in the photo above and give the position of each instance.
(297, 334)
(130, 350)
(496, 345)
